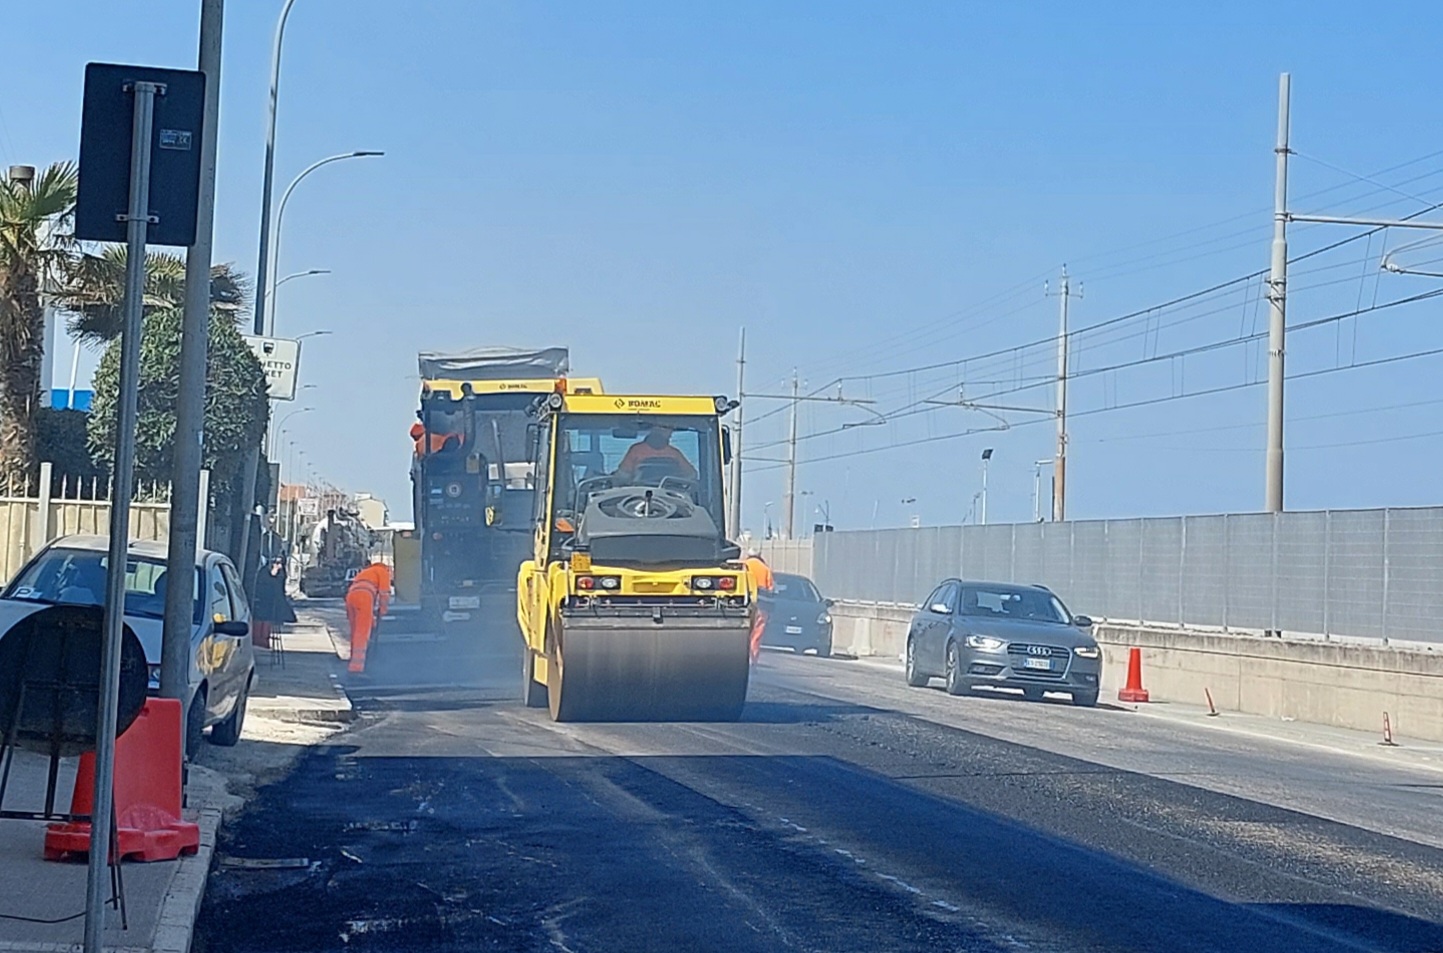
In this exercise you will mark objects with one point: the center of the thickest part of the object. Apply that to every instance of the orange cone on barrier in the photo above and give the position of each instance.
(1133, 690)
(147, 792)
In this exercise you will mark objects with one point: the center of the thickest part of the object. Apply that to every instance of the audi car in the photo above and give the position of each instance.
(797, 616)
(1001, 635)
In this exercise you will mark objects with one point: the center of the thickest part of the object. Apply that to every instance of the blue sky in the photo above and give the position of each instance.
(867, 187)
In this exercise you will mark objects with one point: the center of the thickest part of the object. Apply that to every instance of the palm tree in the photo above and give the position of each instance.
(95, 292)
(35, 254)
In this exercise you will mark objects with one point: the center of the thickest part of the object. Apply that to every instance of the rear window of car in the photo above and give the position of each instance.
(799, 588)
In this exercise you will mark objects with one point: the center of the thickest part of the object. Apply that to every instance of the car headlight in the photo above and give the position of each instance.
(1088, 651)
(824, 619)
(985, 642)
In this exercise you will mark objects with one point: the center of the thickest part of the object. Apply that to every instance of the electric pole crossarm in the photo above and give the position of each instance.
(973, 405)
(1366, 222)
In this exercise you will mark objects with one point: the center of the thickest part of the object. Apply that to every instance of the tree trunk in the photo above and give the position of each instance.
(21, 349)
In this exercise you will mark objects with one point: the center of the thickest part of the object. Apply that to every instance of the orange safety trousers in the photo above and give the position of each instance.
(361, 614)
(759, 624)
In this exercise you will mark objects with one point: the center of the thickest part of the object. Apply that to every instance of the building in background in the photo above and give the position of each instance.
(372, 510)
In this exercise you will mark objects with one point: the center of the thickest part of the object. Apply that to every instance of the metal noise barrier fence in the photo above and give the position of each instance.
(1360, 574)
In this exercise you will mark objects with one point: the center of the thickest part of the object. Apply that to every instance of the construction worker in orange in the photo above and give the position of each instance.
(366, 601)
(434, 442)
(655, 446)
(759, 581)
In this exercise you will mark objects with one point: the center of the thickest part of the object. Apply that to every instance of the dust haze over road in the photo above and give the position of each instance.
(844, 812)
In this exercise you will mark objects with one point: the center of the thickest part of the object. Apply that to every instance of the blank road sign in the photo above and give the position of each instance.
(105, 127)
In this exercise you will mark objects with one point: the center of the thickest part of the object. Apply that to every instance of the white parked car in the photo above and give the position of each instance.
(72, 570)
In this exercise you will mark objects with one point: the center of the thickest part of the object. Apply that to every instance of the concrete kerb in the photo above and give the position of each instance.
(181, 906)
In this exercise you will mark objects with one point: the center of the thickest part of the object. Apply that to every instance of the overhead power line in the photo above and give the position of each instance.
(1149, 402)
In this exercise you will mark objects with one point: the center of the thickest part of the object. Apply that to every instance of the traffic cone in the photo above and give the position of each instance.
(1133, 690)
(147, 792)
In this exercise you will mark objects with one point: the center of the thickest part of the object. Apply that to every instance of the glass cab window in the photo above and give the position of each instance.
(596, 452)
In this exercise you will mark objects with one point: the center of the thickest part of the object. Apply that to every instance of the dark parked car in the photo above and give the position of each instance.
(1003, 635)
(797, 616)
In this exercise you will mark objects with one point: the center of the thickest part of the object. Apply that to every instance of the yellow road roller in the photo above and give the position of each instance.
(634, 604)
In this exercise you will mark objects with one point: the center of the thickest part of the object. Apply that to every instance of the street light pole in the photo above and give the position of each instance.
(281, 218)
(268, 178)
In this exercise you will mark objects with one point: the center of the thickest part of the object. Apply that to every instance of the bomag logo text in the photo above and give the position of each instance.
(636, 403)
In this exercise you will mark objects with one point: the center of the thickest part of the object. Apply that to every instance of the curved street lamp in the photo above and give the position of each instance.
(279, 424)
(301, 274)
(267, 179)
(275, 245)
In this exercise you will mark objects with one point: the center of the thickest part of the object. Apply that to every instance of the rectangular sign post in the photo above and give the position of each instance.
(281, 357)
(110, 153)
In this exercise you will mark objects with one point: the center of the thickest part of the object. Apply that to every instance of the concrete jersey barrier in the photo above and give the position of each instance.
(1331, 683)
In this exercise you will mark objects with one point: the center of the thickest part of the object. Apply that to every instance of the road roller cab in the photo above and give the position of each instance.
(634, 605)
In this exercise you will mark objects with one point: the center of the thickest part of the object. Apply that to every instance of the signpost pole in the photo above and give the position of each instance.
(137, 219)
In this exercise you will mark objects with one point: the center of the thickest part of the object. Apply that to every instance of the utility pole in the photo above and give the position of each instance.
(1037, 489)
(735, 513)
(986, 459)
(1059, 469)
(185, 501)
(790, 519)
(1277, 305)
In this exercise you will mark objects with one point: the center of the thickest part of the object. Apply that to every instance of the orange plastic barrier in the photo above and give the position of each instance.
(147, 792)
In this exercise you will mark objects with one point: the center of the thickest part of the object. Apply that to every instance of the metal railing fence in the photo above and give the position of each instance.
(37, 512)
(1364, 574)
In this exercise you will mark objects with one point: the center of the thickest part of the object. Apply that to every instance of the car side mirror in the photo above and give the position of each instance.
(829, 602)
(726, 433)
(941, 608)
(237, 630)
(1082, 621)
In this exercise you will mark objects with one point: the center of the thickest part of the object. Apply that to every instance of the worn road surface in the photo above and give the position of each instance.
(845, 812)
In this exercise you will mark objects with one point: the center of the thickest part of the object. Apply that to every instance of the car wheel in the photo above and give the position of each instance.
(195, 724)
(915, 678)
(1084, 699)
(228, 732)
(955, 684)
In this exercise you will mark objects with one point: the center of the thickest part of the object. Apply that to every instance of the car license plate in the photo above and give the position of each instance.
(464, 602)
(794, 630)
(1042, 663)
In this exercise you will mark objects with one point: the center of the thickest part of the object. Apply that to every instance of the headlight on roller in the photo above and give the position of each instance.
(985, 642)
(1088, 651)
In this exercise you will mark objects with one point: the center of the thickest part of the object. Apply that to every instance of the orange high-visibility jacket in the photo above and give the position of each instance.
(375, 582)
